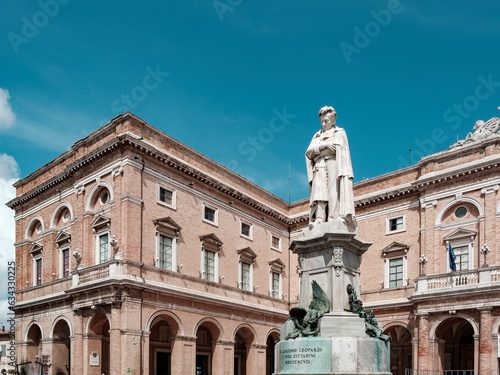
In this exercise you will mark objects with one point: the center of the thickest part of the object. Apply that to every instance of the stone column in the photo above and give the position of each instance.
(115, 354)
(485, 339)
(184, 352)
(423, 342)
(223, 358)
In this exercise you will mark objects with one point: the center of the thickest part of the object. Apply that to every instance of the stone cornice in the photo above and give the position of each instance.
(442, 176)
(382, 195)
(126, 140)
(463, 170)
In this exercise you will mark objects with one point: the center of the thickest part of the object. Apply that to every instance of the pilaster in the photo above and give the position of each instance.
(423, 342)
(485, 339)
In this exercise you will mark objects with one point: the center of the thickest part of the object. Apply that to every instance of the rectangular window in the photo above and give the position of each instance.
(65, 262)
(209, 266)
(164, 252)
(275, 242)
(462, 257)
(395, 272)
(166, 196)
(245, 276)
(209, 214)
(395, 224)
(275, 285)
(245, 229)
(38, 268)
(103, 247)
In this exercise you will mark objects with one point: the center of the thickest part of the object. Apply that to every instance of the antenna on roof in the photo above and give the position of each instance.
(409, 156)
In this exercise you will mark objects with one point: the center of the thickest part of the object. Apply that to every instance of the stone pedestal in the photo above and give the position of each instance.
(333, 355)
(330, 254)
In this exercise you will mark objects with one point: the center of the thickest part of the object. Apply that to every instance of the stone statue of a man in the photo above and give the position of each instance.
(329, 171)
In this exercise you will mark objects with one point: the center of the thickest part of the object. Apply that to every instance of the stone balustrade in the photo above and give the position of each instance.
(426, 284)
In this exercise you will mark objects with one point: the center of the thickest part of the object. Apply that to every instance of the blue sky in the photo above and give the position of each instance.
(242, 81)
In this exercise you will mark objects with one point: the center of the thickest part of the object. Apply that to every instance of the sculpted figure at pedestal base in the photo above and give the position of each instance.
(329, 171)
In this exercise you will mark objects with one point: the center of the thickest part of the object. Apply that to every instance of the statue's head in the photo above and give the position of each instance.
(328, 117)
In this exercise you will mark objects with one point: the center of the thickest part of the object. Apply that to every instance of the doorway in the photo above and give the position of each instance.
(162, 365)
(202, 364)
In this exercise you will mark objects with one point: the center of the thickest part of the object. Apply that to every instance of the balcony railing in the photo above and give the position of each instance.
(97, 272)
(461, 279)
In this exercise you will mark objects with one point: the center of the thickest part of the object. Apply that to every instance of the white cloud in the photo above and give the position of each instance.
(9, 173)
(7, 116)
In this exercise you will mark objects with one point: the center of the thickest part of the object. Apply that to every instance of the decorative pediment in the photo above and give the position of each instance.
(167, 224)
(460, 234)
(277, 265)
(63, 238)
(36, 249)
(247, 255)
(211, 241)
(395, 248)
(101, 221)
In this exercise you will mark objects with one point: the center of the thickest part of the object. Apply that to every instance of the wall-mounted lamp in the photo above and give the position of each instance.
(179, 267)
(485, 250)
(423, 262)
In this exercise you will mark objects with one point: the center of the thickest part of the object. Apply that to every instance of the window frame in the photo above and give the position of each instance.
(215, 222)
(402, 273)
(246, 257)
(37, 270)
(99, 244)
(460, 243)
(387, 270)
(245, 276)
(204, 273)
(173, 204)
(272, 292)
(173, 250)
(248, 236)
(279, 242)
(276, 268)
(210, 243)
(388, 229)
(62, 272)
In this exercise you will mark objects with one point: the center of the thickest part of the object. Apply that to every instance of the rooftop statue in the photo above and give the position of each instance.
(329, 171)
(481, 130)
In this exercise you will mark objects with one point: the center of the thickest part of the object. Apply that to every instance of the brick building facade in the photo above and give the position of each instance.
(137, 254)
